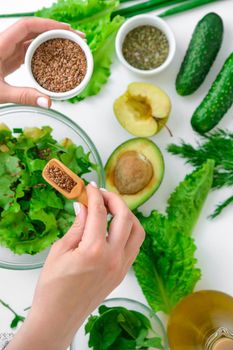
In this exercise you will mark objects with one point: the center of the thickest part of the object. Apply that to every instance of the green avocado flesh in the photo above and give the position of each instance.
(135, 171)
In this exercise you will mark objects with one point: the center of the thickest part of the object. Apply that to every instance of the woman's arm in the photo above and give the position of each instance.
(81, 270)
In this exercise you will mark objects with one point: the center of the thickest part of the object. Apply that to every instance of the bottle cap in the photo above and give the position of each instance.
(223, 344)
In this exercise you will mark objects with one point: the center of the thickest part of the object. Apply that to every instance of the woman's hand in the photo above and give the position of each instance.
(81, 270)
(13, 45)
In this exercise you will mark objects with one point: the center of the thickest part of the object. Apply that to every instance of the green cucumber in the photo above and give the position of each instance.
(217, 102)
(202, 51)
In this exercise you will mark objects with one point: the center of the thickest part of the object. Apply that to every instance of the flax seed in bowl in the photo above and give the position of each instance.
(60, 63)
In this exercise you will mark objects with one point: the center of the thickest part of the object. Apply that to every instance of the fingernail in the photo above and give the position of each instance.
(93, 183)
(77, 208)
(103, 189)
(42, 102)
(80, 33)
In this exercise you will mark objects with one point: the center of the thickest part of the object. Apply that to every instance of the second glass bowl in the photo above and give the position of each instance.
(80, 340)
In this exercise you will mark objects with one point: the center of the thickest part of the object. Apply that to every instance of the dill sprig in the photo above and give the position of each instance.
(218, 146)
(221, 206)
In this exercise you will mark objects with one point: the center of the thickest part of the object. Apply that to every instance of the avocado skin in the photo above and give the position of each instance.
(149, 149)
(217, 102)
(201, 53)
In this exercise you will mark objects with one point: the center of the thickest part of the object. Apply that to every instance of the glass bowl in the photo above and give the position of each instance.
(80, 340)
(27, 116)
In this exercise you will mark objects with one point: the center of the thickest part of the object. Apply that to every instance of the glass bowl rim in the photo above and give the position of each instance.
(151, 312)
(8, 109)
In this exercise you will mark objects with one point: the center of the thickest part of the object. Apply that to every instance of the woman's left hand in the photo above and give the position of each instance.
(14, 42)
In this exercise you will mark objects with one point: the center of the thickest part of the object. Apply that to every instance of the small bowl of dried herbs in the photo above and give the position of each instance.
(60, 63)
(145, 44)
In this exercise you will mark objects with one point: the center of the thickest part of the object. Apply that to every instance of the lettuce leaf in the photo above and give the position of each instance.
(166, 265)
(189, 198)
(94, 18)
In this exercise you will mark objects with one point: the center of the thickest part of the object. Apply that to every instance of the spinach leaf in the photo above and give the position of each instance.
(117, 328)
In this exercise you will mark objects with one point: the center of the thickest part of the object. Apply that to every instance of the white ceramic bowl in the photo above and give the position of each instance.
(60, 34)
(141, 20)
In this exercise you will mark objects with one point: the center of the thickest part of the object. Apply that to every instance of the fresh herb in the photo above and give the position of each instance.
(67, 9)
(185, 6)
(144, 7)
(145, 47)
(152, 5)
(130, 11)
(17, 318)
(218, 146)
(117, 328)
(17, 130)
(33, 214)
(166, 265)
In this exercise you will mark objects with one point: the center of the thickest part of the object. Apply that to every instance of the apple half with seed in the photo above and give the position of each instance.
(143, 110)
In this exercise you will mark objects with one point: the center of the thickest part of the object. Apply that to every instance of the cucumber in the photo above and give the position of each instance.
(202, 51)
(218, 100)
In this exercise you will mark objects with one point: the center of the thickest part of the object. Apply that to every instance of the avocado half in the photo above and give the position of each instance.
(135, 171)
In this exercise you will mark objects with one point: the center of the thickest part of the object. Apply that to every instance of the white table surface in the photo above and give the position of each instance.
(214, 239)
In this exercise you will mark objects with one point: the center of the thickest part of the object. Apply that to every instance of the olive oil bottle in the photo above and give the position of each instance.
(202, 321)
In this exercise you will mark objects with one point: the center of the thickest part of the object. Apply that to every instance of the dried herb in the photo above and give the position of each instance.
(145, 47)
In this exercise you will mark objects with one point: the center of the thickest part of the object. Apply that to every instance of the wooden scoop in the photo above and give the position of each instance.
(65, 181)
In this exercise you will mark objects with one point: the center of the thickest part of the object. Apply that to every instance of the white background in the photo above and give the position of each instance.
(214, 239)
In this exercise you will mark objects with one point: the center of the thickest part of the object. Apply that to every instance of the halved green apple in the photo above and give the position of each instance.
(143, 109)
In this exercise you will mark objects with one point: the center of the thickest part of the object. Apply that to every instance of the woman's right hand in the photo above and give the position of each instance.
(82, 268)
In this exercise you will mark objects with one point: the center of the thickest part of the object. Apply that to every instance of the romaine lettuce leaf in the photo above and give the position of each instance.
(166, 265)
(189, 198)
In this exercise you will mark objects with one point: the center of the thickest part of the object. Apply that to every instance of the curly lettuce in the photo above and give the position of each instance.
(33, 214)
(166, 265)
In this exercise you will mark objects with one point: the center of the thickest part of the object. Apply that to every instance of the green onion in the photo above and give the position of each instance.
(17, 131)
(121, 1)
(22, 14)
(188, 5)
(144, 7)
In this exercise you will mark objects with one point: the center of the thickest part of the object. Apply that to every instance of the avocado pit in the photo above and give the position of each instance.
(132, 173)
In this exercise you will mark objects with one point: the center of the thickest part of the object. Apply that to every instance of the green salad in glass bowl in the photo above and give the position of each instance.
(33, 214)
